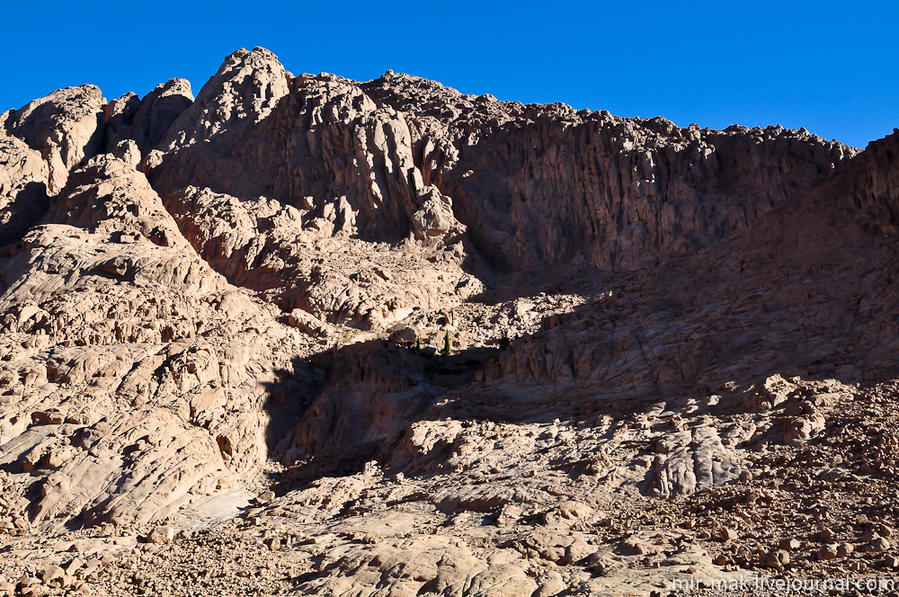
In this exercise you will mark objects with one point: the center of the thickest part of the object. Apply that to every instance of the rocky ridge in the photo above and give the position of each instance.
(648, 331)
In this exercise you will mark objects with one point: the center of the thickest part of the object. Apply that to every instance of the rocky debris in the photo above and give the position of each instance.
(672, 350)
(435, 217)
(52, 574)
(307, 323)
(776, 559)
(879, 544)
(509, 515)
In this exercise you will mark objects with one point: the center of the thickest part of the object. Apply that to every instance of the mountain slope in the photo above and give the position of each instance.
(205, 306)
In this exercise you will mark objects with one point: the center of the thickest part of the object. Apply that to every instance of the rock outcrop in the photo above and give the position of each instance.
(542, 185)
(64, 126)
(146, 121)
(23, 187)
(870, 185)
(124, 359)
(538, 185)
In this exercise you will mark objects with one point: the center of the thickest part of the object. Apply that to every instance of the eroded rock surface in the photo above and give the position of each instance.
(307, 334)
(64, 126)
(23, 188)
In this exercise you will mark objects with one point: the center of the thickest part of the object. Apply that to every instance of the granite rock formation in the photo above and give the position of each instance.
(302, 333)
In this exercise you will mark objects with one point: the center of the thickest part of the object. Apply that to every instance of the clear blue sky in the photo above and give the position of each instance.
(831, 67)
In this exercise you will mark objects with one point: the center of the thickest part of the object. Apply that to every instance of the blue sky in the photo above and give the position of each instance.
(831, 67)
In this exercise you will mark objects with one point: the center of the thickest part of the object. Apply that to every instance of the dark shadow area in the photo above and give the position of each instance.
(94, 145)
(577, 279)
(28, 207)
(144, 121)
(156, 119)
(365, 397)
(341, 408)
(718, 323)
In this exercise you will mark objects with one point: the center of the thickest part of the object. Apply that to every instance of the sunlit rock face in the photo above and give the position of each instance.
(402, 340)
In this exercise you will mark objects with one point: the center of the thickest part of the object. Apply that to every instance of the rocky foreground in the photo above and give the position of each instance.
(306, 335)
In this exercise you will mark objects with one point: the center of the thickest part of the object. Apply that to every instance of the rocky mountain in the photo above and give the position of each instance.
(302, 334)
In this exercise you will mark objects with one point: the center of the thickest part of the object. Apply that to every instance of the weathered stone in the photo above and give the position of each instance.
(660, 336)
(162, 534)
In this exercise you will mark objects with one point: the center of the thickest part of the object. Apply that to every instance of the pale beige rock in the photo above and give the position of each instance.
(64, 126)
(162, 534)
(210, 314)
(23, 187)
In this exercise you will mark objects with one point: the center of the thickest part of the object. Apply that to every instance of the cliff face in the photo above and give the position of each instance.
(536, 185)
(398, 157)
(870, 185)
(204, 298)
(147, 120)
(533, 186)
(23, 188)
(543, 185)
